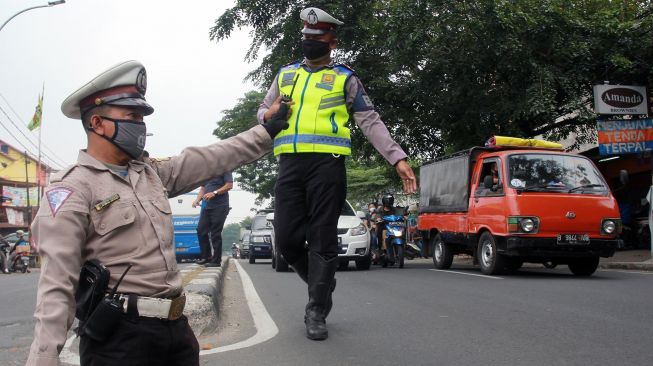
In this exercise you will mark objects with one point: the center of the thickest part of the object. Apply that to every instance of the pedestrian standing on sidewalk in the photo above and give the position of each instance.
(215, 194)
(311, 184)
(112, 207)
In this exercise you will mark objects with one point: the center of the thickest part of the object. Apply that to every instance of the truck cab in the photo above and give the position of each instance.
(506, 205)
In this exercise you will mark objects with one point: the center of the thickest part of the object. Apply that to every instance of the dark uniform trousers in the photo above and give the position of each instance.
(309, 195)
(211, 224)
(141, 341)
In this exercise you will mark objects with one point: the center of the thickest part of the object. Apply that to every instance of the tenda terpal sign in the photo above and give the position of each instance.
(625, 136)
(620, 99)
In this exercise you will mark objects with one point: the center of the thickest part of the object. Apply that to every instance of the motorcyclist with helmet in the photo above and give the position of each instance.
(387, 209)
(13, 253)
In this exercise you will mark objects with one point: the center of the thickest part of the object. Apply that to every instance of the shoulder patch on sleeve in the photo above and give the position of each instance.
(362, 101)
(57, 197)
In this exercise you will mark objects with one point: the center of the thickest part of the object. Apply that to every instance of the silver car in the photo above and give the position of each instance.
(353, 241)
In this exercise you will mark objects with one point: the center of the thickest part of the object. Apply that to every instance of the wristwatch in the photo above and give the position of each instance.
(215, 192)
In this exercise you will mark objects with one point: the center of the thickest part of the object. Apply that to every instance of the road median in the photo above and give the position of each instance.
(203, 287)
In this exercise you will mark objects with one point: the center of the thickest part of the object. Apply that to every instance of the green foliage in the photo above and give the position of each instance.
(230, 235)
(247, 221)
(446, 75)
(258, 177)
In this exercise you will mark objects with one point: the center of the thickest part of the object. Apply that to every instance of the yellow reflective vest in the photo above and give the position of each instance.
(319, 118)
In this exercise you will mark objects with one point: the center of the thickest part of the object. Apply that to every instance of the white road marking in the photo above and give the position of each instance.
(627, 271)
(467, 274)
(67, 355)
(266, 328)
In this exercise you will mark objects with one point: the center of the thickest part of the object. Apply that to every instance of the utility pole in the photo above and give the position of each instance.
(29, 206)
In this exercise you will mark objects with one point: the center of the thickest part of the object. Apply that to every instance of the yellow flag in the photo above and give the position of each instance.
(36, 120)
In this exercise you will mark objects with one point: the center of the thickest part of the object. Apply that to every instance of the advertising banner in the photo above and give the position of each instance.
(625, 136)
(620, 99)
(19, 196)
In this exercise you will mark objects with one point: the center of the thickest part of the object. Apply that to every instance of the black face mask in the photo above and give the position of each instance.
(314, 49)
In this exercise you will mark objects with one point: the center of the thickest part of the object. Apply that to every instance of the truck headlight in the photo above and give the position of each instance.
(358, 230)
(527, 225)
(611, 226)
(523, 224)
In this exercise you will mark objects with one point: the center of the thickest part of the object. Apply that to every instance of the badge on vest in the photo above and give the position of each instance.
(326, 82)
(107, 202)
(288, 79)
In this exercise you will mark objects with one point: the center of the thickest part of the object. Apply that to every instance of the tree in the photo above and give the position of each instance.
(258, 177)
(446, 75)
(230, 235)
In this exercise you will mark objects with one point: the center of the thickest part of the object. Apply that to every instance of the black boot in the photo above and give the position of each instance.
(301, 268)
(320, 281)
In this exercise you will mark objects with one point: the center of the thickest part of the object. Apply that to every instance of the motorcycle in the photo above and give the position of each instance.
(412, 251)
(20, 262)
(395, 240)
(4, 254)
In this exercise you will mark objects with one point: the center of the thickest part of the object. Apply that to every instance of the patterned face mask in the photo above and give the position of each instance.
(129, 136)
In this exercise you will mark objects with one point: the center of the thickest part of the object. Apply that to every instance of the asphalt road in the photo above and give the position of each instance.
(17, 301)
(418, 316)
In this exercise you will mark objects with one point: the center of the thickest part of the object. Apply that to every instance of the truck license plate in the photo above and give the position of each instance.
(256, 249)
(573, 239)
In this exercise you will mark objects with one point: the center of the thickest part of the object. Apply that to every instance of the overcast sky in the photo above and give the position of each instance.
(190, 78)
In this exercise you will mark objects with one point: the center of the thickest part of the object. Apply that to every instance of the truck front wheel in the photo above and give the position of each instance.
(491, 262)
(584, 267)
(442, 253)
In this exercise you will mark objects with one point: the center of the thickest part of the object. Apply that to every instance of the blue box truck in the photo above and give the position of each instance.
(184, 221)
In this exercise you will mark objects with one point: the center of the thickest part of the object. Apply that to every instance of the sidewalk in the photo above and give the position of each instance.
(636, 259)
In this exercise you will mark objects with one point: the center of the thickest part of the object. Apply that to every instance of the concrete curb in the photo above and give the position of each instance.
(203, 294)
(640, 266)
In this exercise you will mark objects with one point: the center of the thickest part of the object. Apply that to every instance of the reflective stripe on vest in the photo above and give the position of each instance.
(318, 122)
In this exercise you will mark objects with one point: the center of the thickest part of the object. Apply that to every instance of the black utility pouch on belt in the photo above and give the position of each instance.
(104, 312)
(93, 285)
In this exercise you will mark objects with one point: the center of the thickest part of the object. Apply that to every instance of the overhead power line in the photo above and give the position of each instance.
(52, 161)
(62, 162)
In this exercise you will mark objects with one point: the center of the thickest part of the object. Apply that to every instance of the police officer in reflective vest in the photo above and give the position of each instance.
(311, 185)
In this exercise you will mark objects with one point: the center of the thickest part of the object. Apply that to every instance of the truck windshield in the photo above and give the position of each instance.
(554, 172)
(259, 222)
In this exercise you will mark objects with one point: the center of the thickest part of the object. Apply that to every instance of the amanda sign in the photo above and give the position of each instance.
(625, 137)
(620, 99)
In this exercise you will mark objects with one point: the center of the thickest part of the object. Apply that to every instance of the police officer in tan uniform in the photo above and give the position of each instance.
(112, 205)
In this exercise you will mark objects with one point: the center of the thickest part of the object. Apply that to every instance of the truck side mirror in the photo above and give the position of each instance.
(624, 178)
(488, 182)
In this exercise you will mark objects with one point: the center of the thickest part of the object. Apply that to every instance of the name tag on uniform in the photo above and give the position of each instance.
(107, 202)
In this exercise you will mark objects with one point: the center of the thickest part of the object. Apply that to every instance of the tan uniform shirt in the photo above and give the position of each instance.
(136, 228)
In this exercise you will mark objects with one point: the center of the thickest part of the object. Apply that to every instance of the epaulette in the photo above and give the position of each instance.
(158, 160)
(60, 175)
(346, 67)
(291, 65)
